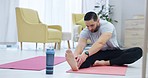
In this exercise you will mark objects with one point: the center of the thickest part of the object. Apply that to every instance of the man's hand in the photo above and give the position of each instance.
(80, 59)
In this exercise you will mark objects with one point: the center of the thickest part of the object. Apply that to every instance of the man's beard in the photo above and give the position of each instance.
(96, 29)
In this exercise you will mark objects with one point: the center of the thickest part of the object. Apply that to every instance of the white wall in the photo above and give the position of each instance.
(88, 5)
(117, 15)
(126, 9)
(132, 7)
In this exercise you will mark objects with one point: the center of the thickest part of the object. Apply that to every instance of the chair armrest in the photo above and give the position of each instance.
(35, 32)
(58, 27)
(76, 32)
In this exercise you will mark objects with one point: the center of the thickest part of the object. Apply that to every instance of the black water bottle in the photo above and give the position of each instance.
(49, 61)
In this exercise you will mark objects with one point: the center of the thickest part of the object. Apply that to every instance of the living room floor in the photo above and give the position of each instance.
(13, 54)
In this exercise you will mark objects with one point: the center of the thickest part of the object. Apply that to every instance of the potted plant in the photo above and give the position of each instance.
(106, 15)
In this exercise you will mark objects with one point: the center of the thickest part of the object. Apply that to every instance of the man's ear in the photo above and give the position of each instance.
(98, 20)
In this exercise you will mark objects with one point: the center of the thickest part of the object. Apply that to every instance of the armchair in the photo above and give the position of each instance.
(78, 25)
(30, 28)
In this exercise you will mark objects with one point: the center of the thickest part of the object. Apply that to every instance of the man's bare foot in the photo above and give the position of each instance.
(71, 60)
(101, 63)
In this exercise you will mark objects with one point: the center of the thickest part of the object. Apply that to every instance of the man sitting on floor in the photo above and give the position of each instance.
(105, 49)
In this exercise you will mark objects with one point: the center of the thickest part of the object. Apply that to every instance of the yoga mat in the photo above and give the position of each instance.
(36, 63)
(105, 70)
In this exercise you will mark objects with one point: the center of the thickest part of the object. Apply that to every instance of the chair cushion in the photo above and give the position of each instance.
(81, 22)
(54, 34)
(66, 36)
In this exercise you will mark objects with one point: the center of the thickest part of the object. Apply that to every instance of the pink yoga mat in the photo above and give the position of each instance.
(36, 63)
(105, 70)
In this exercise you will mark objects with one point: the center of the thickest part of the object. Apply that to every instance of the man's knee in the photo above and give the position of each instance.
(139, 52)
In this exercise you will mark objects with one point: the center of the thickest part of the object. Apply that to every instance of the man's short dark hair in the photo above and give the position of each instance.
(90, 15)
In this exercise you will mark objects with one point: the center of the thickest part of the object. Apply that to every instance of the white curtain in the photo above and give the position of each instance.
(61, 12)
(8, 31)
(38, 5)
(55, 12)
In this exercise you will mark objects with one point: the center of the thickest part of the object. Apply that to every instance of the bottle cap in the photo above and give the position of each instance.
(49, 51)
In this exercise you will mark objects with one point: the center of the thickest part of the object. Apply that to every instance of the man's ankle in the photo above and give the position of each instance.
(107, 63)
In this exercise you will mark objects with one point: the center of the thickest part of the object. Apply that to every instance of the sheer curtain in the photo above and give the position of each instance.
(8, 31)
(60, 12)
(55, 12)
(38, 5)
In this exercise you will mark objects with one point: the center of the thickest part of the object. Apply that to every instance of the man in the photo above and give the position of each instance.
(105, 49)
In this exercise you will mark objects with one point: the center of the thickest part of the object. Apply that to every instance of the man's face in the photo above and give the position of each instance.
(92, 25)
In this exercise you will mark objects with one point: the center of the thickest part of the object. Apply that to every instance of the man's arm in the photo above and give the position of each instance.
(81, 45)
(95, 47)
(99, 43)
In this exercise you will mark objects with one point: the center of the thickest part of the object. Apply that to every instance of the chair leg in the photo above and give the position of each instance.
(43, 46)
(59, 45)
(55, 45)
(36, 45)
(21, 44)
(68, 44)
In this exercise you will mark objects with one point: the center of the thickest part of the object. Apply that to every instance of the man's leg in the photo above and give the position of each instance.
(71, 60)
(101, 63)
(128, 56)
(113, 57)
(101, 55)
(110, 54)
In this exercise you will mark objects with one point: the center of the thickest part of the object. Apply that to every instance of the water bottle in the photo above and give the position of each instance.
(49, 61)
